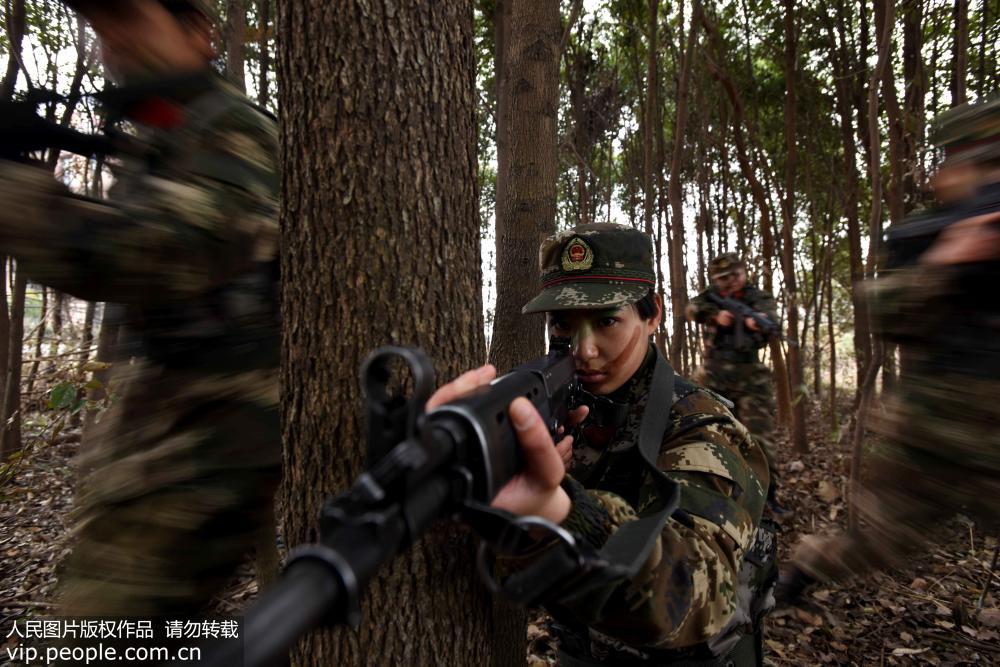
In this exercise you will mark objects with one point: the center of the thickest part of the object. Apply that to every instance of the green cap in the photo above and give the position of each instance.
(724, 264)
(969, 132)
(594, 266)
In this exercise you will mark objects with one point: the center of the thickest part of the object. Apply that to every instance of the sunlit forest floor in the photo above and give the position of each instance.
(924, 613)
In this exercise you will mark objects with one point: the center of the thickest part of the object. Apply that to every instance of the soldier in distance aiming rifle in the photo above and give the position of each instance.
(703, 568)
(738, 319)
(181, 475)
(935, 296)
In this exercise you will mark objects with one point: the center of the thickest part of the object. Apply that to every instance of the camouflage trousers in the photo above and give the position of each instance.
(942, 456)
(750, 388)
(174, 491)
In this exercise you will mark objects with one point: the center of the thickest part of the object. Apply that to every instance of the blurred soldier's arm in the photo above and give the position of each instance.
(687, 591)
(701, 310)
(973, 240)
(912, 302)
(170, 235)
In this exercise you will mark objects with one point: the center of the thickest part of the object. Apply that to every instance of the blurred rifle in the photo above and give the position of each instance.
(23, 130)
(741, 312)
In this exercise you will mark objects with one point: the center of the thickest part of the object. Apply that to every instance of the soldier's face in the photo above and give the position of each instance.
(732, 282)
(608, 345)
(141, 37)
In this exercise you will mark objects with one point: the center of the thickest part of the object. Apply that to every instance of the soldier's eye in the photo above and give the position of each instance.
(607, 321)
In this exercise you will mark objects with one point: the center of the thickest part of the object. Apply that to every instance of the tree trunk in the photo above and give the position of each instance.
(526, 212)
(234, 34)
(843, 64)
(39, 340)
(264, 52)
(650, 116)
(831, 329)
(884, 16)
(529, 42)
(678, 274)
(984, 23)
(87, 340)
(961, 53)
(10, 427)
(58, 307)
(16, 25)
(380, 244)
(107, 339)
(799, 436)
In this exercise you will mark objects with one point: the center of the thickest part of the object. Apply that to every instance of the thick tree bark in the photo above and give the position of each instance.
(799, 435)
(526, 213)
(380, 244)
(234, 34)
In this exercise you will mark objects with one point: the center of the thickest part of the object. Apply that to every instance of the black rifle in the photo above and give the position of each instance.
(906, 242)
(741, 312)
(23, 131)
(451, 461)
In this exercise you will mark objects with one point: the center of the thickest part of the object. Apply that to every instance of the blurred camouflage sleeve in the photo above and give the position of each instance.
(171, 233)
(762, 302)
(686, 592)
(700, 309)
(909, 303)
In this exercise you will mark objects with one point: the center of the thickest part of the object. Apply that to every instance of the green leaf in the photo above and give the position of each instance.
(63, 396)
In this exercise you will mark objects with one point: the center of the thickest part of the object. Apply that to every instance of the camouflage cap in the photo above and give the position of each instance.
(724, 264)
(969, 132)
(594, 266)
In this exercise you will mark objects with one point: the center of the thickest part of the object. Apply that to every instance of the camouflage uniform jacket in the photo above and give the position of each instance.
(723, 339)
(945, 318)
(187, 239)
(686, 593)
(184, 463)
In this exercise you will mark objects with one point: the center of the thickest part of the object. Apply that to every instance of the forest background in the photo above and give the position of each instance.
(792, 133)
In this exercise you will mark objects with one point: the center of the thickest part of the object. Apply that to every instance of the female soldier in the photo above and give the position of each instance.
(698, 597)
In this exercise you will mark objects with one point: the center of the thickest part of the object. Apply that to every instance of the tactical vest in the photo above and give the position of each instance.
(741, 641)
(232, 327)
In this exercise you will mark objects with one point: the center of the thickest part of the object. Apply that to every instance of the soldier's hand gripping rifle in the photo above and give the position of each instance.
(451, 461)
(741, 312)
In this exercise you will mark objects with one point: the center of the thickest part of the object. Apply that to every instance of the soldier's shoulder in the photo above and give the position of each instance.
(751, 291)
(693, 400)
(223, 108)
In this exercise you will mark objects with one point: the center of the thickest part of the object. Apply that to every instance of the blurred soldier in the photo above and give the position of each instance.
(704, 583)
(935, 296)
(732, 359)
(175, 487)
